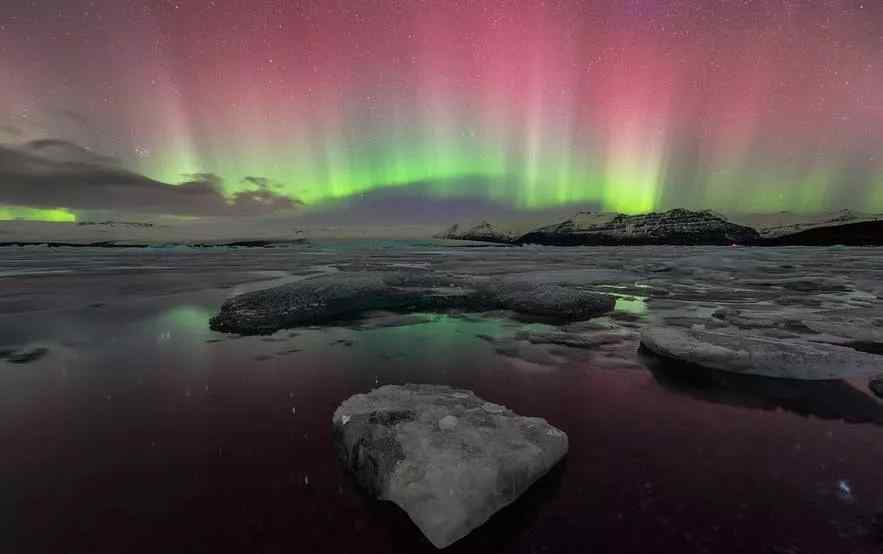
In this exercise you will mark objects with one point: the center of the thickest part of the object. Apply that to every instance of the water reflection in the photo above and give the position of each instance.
(631, 304)
(141, 429)
(187, 320)
(822, 399)
(630, 299)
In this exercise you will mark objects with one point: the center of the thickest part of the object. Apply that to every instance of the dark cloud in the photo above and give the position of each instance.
(260, 201)
(62, 151)
(204, 178)
(57, 173)
(262, 183)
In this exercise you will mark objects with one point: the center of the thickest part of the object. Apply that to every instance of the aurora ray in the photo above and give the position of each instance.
(633, 107)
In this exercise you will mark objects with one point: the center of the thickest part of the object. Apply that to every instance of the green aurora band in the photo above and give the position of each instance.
(529, 104)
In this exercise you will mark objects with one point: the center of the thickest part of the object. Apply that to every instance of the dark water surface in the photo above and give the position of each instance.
(143, 431)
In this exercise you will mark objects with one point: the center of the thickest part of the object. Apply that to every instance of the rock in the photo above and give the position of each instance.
(857, 330)
(748, 320)
(592, 325)
(510, 347)
(388, 320)
(347, 294)
(573, 340)
(876, 385)
(808, 301)
(325, 298)
(814, 284)
(23, 356)
(445, 456)
(555, 301)
(688, 321)
(745, 354)
(672, 227)
(447, 423)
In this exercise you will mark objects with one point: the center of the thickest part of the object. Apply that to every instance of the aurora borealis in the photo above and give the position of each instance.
(626, 105)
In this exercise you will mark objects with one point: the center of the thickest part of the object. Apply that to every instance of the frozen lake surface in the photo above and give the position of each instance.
(139, 429)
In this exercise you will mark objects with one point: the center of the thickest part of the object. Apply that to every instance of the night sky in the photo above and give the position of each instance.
(210, 107)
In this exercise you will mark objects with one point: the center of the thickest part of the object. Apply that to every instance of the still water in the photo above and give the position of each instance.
(141, 430)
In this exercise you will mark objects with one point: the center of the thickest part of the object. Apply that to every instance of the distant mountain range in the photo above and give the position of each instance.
(133, 234)
(680, 226)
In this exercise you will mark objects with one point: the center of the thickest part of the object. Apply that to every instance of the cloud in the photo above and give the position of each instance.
(57, 173)
(262, 183)
(10, 131)
(62, 151)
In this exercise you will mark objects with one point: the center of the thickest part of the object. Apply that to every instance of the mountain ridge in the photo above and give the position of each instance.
(686, 227)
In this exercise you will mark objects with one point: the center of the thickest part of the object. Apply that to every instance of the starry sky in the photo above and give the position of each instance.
(244, 107)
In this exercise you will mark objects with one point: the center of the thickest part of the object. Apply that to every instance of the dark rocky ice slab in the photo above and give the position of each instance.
(346, 294)
(23, 356)
(447, 457)
(752, 355)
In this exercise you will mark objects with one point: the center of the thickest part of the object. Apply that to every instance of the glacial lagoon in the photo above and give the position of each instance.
(137, 428)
